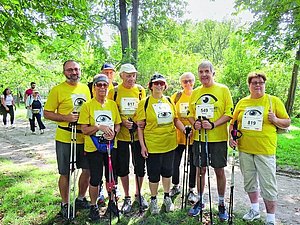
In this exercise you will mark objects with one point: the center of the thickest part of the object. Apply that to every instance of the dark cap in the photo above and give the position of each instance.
(108, 66)
(157, 77)
(100, 77)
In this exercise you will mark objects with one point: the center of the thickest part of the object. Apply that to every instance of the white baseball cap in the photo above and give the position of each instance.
(127, 68)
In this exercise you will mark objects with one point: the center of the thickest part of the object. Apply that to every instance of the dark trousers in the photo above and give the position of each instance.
(176, 166)
(39, 120)
(10, 112)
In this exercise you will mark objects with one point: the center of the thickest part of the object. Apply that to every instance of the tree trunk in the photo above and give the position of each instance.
(134, 30)
(292, 90)
(123, 28)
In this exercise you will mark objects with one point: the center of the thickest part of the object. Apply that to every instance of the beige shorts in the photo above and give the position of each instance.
(259, 170)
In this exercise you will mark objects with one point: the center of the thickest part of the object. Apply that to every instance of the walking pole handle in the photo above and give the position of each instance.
(188, 130)
(235, 133)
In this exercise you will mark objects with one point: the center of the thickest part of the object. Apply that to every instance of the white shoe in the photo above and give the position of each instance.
(175, 190)
(12, 126)
(192, 197)
(251, 215)
(153, 207)
(42, 131)
(169, 204)
(33, 133)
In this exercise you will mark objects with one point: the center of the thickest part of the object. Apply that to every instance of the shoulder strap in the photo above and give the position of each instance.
(140, 91)
(270, 101)
(178, 96)
(146, 103)
(115, 92)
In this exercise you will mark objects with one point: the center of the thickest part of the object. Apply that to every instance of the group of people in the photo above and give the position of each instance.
(153, 130)
(33, 104)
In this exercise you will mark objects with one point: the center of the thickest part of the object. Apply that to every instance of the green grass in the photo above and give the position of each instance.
(288, 149)
(29, 195)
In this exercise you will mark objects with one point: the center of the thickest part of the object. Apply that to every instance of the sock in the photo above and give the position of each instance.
(271, 217)
(221, 200)
(80, 198)
(255, 206)
(153, 197)
(166, 195)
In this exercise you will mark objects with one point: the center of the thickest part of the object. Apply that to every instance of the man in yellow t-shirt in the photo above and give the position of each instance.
(210, 108)
(63, 106)
(127, 96)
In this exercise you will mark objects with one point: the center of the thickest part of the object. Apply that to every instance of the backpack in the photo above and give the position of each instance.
(116, 92)
(177, 97)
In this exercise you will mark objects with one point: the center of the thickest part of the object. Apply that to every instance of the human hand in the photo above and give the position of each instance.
(233, 143)
(272, 117)
(72, 117)
(144, 152)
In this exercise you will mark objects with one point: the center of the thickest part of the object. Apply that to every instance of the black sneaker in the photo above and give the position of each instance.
(94, 213)
(82, 204)
(64, 211)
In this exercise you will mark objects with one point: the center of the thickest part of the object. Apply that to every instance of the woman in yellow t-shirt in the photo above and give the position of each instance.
(181, 101)
(100, 122)
(257, 116)
(158, 139)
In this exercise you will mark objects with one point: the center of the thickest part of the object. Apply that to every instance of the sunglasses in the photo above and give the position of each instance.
(187, 81)
(257, 83)
(100, 85)
(161, 83)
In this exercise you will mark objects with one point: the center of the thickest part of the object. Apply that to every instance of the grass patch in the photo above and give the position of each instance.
(29, 195)
(288, 149)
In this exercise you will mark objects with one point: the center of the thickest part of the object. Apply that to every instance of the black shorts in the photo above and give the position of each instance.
(159, 164)
(96, 162)
(63, 151)
(216, 150)
(121, 158)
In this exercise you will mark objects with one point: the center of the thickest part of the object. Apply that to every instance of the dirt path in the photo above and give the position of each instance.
(39, 149)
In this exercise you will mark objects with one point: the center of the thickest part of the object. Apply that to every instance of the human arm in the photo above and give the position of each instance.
(144, 150)
(278, 122)
(54, 116)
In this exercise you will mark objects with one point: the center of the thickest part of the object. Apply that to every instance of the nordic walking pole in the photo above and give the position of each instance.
(235, 133)
(72, 169)
(133, 151)
(186, 167)
(111, 186)
(208, 176)
(200, 168)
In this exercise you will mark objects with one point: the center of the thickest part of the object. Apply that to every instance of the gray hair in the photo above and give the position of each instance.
(206, 63)
(187, 74)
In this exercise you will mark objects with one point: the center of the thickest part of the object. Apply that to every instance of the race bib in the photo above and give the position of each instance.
(103, 117)
(253, 118)
(163, 113)
(129, 105)
(78, 100)
(183, 109)
(205, 110)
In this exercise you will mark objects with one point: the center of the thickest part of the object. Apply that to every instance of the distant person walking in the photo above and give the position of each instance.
(34, 107)
(8, 104)
(29, 91)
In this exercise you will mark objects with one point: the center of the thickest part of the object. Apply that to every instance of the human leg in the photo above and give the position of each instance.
(12, 114)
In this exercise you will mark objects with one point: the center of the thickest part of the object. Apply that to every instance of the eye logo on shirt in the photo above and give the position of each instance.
(253, 113)
(208, 99)
(78, 100)
(164, 114)
(103, 119)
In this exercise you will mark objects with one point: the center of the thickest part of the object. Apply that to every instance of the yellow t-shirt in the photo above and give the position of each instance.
(258, 133)
(127, 101)
(93, 112)
(160, 131)
(182, 107)
(64, 99)
(214, 102)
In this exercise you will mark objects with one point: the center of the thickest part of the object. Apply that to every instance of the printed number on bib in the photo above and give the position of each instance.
(103, 117)
(205, 110)
(253, 118)
(163, 113)
(183, 109)
(129, 105)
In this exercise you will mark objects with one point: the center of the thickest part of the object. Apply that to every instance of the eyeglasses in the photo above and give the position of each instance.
(100, 85)
(161, 83)
(257, 83)
(72, 69)
(187, 81)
